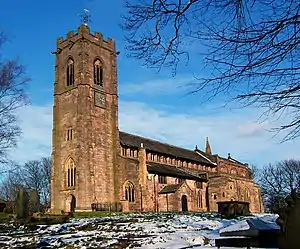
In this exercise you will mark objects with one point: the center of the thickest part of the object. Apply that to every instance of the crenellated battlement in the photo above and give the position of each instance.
(84, 31)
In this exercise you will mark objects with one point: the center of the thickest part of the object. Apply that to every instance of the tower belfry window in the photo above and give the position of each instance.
(71, 173)
(98, 73)
(70, 72)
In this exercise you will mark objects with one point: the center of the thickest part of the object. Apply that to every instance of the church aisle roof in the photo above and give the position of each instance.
(172, 188)
(166, 170)
(131, 140)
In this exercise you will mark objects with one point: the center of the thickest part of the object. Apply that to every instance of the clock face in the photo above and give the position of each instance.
(99, 99)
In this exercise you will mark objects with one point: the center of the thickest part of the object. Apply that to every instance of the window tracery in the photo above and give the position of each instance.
(129, 191)
(71, 173)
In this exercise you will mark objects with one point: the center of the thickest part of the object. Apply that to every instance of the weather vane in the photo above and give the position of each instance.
(86, 17)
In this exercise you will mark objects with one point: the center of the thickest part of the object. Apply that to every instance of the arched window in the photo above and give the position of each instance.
(199, 199)
(70, 72)
(247, 195)
(98, 73)
(129, 192)
(71, 173)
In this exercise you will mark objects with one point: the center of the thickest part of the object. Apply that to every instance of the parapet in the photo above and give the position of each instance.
(84, 30)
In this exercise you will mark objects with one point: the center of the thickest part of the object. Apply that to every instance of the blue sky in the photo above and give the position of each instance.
(151, 104)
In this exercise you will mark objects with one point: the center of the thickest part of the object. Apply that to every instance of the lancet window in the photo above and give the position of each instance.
(98, 73)
(70, 72)
(129, 192)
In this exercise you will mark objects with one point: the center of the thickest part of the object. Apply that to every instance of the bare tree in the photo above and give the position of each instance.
(277, 181)
(13, 82)
(46, 172)
(250, 49)
(9, 187)
(35, 174)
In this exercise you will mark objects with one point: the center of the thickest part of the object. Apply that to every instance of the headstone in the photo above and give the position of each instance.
(289, 222)
(34, 202)
(231, 209)
(22, 205)
(254, 232)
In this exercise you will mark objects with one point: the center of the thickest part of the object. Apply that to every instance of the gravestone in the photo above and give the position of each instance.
(22, 205)
(34, 202)
(231, 209)
(289, 222)
(251, 233)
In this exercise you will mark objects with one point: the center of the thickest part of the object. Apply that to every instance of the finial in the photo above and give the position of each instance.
(229, 156)
(196, 148)
(86, 17)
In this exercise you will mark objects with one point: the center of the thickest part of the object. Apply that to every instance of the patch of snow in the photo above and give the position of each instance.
(239, 226)
(146, 230)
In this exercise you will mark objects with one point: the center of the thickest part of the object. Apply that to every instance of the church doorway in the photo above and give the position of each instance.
(184, 203)
(71, 203)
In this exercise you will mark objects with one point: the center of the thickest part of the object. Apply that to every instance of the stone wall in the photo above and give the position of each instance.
(104, 170)
(221, 187)
(94, 145)
(227, 188)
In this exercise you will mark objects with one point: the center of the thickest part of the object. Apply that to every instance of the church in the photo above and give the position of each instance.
(95, 166)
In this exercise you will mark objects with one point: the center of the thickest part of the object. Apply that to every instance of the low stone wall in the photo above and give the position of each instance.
(108, 207)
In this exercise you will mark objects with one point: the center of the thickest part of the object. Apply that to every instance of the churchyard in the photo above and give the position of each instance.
(135, 230)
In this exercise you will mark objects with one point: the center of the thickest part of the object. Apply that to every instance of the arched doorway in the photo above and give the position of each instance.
(71, 203)
(184, 203)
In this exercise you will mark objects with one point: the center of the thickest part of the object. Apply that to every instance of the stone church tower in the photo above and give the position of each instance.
(85, 122)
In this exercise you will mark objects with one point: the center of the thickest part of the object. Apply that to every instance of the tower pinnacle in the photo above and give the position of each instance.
(207, 147)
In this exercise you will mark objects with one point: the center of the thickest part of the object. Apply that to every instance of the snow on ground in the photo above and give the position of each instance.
(147, 231)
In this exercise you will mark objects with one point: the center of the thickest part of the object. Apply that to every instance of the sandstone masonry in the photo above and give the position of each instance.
(98, 167)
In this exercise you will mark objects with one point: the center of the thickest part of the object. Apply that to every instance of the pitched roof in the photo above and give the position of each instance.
(172, 188)
(166, 170)
(230, 159)
(131, 140)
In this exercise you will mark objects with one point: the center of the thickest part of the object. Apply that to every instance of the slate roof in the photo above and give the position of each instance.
(172, 188)
(166, 170)
(131, 140)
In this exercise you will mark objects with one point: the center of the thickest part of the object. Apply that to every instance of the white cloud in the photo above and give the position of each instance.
(157, 87)
(35, 142)
(234, 132)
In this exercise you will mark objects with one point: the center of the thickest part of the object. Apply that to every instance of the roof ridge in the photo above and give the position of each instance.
(207, 158)
(156, 141)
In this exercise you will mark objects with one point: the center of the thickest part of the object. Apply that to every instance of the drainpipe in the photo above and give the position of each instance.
(141, 198)
(156, 197)
(154, 193)
(167, 203)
